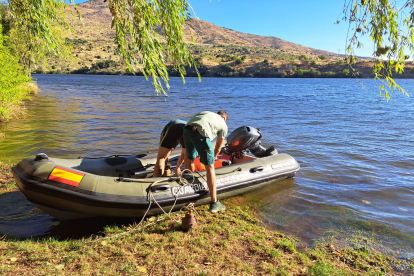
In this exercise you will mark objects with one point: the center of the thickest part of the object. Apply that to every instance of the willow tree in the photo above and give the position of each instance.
(37, 28)
(390, 25)
(135, 22)
(13, 83)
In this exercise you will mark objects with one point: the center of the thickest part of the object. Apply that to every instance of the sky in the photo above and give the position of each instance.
(306, 22)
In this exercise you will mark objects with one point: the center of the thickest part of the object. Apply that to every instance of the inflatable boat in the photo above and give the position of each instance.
(123, 186)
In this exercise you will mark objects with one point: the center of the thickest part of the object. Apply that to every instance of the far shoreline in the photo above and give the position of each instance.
(230, 77)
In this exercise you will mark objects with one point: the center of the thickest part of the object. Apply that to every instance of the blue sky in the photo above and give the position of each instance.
(305, 22)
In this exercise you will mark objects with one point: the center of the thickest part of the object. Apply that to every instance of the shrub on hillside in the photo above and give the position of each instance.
(257, 74)
(103, 64)
(329, 74)
(312, 73)
(323, 57)
(230, 57)
(299, 73)
(280, 74)
(227, 68)
(220, 74)
(83, 70)
(345, 72)
(263, 74)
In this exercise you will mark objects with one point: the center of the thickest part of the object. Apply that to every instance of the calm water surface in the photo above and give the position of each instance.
(355, 150)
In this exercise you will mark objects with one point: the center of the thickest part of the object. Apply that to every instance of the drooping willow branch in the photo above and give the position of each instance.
(139, 24)
(391, 28)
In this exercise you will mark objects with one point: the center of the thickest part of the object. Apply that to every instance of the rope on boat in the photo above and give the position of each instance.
(189, 206)
(175, 194)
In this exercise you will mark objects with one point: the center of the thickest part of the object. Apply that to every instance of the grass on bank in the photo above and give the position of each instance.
(229, 243)
(7, 183)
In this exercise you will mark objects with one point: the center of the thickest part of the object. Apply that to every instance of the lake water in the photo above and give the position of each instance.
(355, 149)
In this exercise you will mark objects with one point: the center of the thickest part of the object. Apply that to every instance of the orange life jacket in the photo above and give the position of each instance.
(218, 164)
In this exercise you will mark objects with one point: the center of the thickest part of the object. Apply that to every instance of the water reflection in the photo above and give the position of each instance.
(49, 122)
(19, 219)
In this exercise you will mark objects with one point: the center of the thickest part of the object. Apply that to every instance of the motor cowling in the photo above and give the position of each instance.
(246, 138)
(242, 138)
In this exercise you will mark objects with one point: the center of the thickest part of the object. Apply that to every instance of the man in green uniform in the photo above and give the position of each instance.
(198, 133)
(171, 136)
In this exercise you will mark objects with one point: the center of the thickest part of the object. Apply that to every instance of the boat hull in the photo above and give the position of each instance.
(108, 195)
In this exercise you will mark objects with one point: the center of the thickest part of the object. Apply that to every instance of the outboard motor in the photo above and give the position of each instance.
(244, 139)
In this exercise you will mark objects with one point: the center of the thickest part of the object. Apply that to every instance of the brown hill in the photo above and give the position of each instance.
(219, 52)
(97, 21)
(209, 33)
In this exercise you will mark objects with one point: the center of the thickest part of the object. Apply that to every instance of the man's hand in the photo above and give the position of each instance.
(219, 144)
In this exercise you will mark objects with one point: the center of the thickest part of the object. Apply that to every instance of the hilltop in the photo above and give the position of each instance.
(218, 51)
(96, 16)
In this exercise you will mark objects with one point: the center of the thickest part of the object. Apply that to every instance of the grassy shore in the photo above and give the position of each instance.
(230, 243)
(7, 183)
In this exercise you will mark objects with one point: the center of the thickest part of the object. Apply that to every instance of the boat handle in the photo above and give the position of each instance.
(160, 188)
(256, 169)
(142, 172)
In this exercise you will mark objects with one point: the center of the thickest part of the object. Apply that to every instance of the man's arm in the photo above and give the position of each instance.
(180, 161)
(219, 144)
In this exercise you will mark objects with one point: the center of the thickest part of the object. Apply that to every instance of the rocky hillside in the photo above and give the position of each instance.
(96, 16)
(220, 52)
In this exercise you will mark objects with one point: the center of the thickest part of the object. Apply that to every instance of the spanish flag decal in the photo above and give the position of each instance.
(66, 176)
